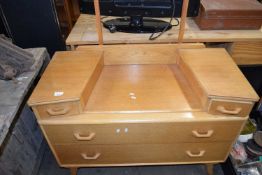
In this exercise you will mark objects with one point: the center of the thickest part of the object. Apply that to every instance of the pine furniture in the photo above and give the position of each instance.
(154, 104)
(84, 33)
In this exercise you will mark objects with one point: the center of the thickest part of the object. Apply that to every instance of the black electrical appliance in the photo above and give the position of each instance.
(136, 15)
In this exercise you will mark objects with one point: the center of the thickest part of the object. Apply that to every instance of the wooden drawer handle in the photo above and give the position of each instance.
(207, 134)
(84, 138)
(94, 157)
(200, 154)
(60, 111)
(223, 110)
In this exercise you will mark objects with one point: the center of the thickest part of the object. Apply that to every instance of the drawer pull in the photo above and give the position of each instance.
(58, 111)
(207, 134)
(223, 110)
(94, 157)
(84, 138)
(200, 154)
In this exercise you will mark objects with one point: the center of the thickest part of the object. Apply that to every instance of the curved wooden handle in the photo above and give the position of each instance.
(84, 138)
(94, 157)
(200, 154)
(223, 110)
(207, 134)
(60, 111)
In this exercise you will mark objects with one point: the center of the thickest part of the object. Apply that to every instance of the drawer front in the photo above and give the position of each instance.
(57, 109)
(144, 132)
(233, 108)
(88, 155)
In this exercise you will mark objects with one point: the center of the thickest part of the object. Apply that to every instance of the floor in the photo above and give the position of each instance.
(50, 167)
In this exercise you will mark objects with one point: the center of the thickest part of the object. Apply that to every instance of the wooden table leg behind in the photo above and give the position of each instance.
(209, 169)
(73, 171)
(72, 47)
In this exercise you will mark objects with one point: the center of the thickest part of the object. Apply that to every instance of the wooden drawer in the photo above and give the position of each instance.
(89, 155)
(234, 108)
(57, 109)
(143, 132)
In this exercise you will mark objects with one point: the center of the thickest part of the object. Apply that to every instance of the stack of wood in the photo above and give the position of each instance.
(13, 60)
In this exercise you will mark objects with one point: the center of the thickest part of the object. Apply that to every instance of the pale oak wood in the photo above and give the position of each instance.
(140, 153)
(246, 53)
(153, 117)
(98, 22)
(151, 133)
(81, 136)
(217, 74)
(155, 67)
(196, 86)
(141, 119)
(89, 86)
(219, 84)
(149, 117)
(183, 21)
(224, 107)
(59, 109)
(185, 85)
(50, 144)
(84, 32)
(138, 88)
(68, 74)
(140, 53)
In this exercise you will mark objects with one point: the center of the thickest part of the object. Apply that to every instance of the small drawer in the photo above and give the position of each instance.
(103, 155)
(135, 133)
(234, 108)
(57, 109)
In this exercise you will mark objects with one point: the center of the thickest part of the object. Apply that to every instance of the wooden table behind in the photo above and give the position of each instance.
(84, 32)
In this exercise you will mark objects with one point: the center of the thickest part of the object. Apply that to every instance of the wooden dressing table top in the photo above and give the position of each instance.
(66, 77)
(102, 83)
(141, 105)
(138, 88)
(213, 69)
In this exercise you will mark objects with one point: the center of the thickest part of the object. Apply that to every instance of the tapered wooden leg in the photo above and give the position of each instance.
(209, 169)
(73, 171)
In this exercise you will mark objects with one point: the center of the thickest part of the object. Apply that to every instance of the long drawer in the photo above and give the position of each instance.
(143, 132)
(89, 155)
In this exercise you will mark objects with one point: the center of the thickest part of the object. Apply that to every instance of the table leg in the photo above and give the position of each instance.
(209, 169)
(73, 171)
(72, 47)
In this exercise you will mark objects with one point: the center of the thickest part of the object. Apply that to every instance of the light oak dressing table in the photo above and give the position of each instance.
(154, 104)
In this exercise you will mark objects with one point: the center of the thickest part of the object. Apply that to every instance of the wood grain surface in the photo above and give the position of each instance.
(140, 53)
(246, 53)
(138, 88)
(84, 32)
(147, 133)
(66, 77)
(217, 74)
(114, 155)
(141, 108)
(229, 107)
